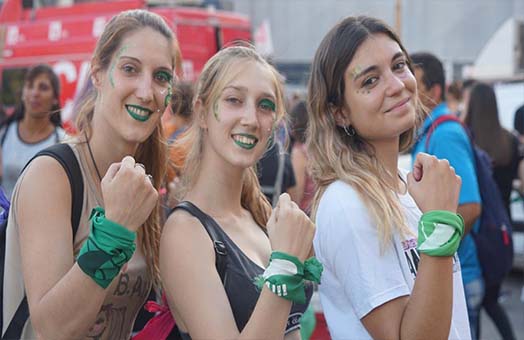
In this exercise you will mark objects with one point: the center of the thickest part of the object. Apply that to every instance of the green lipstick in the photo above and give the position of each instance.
(246, 141)
(138, 112)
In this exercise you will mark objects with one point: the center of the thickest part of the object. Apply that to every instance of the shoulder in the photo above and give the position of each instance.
(185, 232)
(341, 210)
(450, 129)
(340, 196)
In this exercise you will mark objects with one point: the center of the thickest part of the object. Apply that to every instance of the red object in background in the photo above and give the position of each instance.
(321, 331)
(64, 37)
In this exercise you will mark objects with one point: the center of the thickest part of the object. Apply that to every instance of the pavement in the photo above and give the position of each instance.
(512, 299)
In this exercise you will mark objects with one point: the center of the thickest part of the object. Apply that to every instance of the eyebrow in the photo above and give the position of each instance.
(140, 62)
(244, 89)
(374, 67)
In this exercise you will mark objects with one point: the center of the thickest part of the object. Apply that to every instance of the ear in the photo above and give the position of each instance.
(341, 116)
(96, 76)
(197, 110)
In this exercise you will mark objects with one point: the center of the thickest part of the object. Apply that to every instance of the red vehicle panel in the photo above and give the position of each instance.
(65, 37)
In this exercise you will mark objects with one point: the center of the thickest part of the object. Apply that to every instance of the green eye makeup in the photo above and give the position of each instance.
(267, 104)
(164, 76)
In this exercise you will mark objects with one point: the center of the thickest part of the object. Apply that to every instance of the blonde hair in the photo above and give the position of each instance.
(152, 152)
(217, 73)
(333, 154)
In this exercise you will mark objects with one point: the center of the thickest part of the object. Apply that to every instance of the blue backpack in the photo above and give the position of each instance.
(494, 237)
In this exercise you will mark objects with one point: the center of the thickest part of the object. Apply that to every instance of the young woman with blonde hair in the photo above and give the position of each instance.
(93, 283)
(220, 239)
(384, 277)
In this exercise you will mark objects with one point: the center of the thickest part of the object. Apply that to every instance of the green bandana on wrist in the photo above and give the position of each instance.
(439, 233)
(285, 276)
(108, 247)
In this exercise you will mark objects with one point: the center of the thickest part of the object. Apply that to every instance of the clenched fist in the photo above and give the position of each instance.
(433, 184)
(290, 230)
(129, 195)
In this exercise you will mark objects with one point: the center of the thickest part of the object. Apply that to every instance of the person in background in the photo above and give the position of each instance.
(181, 112)
(91, 285)
(387, 276)
(467, 84)
(518, 123)
(450, 141)
(275, 172)
(34, 125)
(454, 97)
(503, 147)
(220, 239)
(304, 189)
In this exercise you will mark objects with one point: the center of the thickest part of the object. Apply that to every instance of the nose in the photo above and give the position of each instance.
(144, 91)
(394, 84)
(249, 118)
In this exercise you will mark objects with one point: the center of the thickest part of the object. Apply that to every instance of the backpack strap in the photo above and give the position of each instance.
(4, 135)
(66, 157)
(211, 227)
(440, 120)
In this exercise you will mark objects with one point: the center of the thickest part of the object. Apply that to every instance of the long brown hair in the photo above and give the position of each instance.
(483, 120)
(217, 73)
(333, 154)
(152, 152)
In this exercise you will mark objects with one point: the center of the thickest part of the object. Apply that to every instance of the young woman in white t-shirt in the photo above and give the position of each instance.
(385, 277)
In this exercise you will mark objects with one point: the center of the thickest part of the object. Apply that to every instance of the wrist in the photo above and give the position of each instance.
(108, 247)
(285, 276)
(440, 233)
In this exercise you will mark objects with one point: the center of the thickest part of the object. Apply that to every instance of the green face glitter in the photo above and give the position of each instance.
(215, 111)
(267, 104)
(167, 98)
(356, 71)
(113, 65)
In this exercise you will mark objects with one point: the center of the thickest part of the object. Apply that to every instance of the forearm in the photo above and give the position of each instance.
(470, 212)
(269, 319)
(430, 300)
(69, 308)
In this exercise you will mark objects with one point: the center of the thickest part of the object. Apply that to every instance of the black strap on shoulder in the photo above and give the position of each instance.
(211, 227)
(66, 157)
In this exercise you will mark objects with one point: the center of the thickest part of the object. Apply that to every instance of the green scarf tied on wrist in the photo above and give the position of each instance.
(108, 247)
(285, 276)
(439, 233)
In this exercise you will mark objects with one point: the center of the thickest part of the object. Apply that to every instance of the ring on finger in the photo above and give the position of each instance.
(140, 165)
(150, 178)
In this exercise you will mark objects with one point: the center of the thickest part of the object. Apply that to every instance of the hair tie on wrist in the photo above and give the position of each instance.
(285, 276)
(108, 247)
(440, 233)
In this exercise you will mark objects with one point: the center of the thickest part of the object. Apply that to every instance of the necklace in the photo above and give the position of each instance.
(92, 157)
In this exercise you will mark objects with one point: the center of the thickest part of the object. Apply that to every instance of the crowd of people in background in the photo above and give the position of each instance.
(192, 192)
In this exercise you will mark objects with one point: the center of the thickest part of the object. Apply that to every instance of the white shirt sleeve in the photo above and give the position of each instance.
(348, 244)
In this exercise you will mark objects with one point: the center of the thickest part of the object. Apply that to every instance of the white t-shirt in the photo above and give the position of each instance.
(357, 278)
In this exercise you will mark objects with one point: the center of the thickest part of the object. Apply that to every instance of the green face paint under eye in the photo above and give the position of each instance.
(168, 96)
(266, 103)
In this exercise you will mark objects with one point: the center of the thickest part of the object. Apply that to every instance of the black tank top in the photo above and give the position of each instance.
(237, 272)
